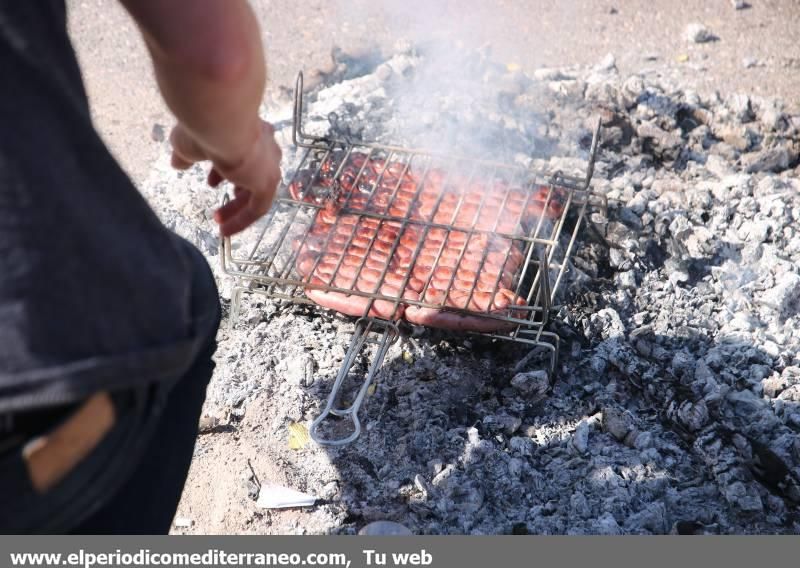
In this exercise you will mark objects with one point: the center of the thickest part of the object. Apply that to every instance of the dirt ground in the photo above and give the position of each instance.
(300, 35)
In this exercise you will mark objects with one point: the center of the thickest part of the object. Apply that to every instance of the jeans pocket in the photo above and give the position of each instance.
(91, 483)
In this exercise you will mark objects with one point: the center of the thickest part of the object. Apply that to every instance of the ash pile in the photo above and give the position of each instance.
(676, 403)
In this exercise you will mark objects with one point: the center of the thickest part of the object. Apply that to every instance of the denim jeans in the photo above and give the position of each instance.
(132, 482)
(147, 502)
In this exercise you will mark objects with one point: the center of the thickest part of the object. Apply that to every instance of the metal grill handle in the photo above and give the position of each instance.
(387, 333)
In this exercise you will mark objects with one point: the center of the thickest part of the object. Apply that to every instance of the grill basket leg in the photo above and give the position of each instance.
(387, 334)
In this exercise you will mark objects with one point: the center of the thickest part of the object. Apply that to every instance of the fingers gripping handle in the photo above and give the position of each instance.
(385, 334)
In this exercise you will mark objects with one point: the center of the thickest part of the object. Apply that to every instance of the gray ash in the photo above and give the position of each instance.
(676, 404)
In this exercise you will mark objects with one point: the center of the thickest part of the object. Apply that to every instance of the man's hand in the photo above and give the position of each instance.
(255, 177)
(209, 64)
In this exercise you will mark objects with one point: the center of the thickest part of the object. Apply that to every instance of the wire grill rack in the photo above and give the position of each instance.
(342, 182)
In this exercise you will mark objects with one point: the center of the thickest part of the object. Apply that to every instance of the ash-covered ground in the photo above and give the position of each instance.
(676, 402)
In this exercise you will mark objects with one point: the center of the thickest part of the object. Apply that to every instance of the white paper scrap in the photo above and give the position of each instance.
(279, 497)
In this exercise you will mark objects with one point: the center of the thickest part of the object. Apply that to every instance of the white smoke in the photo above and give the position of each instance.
(451, 100)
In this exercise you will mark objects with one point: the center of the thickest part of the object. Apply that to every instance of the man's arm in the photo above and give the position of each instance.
(209, 63)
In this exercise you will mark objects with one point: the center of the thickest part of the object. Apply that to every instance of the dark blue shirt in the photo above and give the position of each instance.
(94, 290)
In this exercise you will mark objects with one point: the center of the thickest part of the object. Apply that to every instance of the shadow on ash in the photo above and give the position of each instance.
(670, 287)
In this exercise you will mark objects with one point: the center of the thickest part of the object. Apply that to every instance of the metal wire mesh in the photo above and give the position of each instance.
(383, 233)
(272, 265)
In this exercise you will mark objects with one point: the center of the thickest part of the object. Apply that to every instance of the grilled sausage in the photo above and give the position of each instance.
(450, 269)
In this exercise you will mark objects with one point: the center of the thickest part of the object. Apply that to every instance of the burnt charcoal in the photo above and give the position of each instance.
(520, 529)
(772, 471)
(689, 528)
(678, 320)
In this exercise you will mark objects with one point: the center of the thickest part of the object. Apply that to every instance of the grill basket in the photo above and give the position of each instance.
(269, 267)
